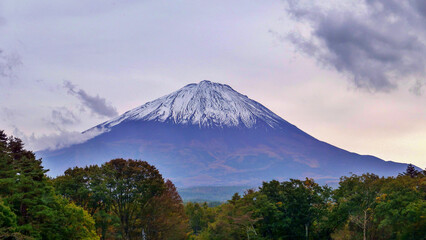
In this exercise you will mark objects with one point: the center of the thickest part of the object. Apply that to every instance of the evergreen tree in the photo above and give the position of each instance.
(7, 172)
(411, 171)
(200, 215)
(26, 191)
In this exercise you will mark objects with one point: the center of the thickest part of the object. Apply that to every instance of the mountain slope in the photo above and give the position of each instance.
(209, 134)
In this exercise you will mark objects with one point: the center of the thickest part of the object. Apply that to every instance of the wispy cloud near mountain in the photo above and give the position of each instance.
(96, 104)
(53, 141)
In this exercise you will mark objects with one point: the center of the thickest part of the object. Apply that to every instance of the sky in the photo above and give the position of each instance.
(351, 73)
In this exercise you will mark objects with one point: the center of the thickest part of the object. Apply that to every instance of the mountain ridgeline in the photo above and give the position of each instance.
(208, 134)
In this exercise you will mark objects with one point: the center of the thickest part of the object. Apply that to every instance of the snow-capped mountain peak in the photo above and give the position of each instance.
(209, 134)
(206, 104)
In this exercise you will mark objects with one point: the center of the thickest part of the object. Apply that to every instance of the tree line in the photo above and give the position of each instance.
(129, 199)
(121, 199)
(362, 207)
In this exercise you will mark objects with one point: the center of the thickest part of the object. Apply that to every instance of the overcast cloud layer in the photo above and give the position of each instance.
(66, 66)
(377, 43)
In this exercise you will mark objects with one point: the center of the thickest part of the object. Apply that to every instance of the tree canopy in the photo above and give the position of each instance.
(129, 199)
(29, 207)
(362, 207)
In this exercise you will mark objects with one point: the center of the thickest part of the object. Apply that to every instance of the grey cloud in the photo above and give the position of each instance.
(63, 116)
(96, 104)
(421, 7)
(7, 114)
(60, 119)
(8, 65)
(417, 88)
(377, 45)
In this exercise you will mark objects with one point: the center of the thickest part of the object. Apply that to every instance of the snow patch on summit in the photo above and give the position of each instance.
(205, 104)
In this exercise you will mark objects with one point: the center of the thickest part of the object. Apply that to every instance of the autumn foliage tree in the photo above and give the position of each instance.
(165, 216)
(128, 199)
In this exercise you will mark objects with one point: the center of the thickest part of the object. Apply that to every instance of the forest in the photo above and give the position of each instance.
(130, 199)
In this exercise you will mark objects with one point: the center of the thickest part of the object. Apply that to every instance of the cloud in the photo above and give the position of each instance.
(55, 140)
(7, 114)
(60, 119)
(63, 116)
(417, 88)
(96, 104)
(376, 43)
(8, 65)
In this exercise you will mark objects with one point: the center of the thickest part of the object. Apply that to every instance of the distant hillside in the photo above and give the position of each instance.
(210, 193)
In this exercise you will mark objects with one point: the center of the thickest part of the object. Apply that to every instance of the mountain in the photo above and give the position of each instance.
(208, 134)
(206, 105)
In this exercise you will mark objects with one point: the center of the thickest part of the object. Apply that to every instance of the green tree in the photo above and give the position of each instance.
(200, 215)
(293, 209)
(411, 171)
(7, 172)
(233, 220)
(86, 188)
(129, 185)
(26, 191)
(76, 222)
(401, 208)
(356, 198)
(127, 198)
(370, 207)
